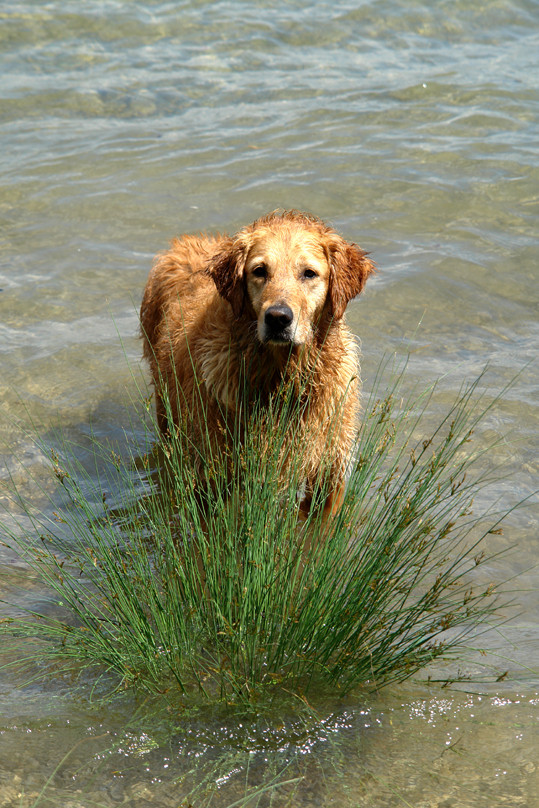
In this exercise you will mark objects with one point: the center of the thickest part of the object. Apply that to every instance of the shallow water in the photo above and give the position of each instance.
(412, 127)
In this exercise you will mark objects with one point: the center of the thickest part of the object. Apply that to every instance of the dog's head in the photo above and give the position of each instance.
(288, 269)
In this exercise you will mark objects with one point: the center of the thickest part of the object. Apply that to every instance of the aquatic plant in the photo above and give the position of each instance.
(189, 568)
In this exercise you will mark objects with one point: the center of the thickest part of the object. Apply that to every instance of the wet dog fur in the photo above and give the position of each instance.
(271, 298)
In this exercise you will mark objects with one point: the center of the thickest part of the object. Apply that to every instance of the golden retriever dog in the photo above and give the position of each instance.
(271, 298)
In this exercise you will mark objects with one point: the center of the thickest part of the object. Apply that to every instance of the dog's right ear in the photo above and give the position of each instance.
(227, 268)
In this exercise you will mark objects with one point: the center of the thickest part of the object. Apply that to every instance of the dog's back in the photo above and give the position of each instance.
(177, 287)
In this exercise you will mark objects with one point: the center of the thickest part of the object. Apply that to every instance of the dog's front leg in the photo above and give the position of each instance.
(325, 494)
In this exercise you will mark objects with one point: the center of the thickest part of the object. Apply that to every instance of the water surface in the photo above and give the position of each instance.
(412, 127)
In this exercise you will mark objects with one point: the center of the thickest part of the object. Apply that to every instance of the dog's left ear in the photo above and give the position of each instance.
(349, 269)
(227, 269)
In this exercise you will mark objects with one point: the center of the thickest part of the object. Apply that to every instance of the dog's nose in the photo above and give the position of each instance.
(278, 317)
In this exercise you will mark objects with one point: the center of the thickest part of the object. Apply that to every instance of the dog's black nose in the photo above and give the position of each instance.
(278, 317)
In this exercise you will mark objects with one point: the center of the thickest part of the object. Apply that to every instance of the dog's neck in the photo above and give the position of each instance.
(265, 367)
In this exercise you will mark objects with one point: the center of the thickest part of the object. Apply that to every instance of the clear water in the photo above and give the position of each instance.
(412, 127)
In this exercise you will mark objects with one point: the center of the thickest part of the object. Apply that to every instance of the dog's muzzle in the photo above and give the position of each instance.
(278, 321)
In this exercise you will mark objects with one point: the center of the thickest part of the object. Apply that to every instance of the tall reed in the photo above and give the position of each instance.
(206, 576)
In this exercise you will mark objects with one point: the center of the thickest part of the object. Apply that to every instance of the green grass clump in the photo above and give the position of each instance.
(185, 569)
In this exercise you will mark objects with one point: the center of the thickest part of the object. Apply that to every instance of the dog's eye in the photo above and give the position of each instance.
(309, 273)
(259, 271)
